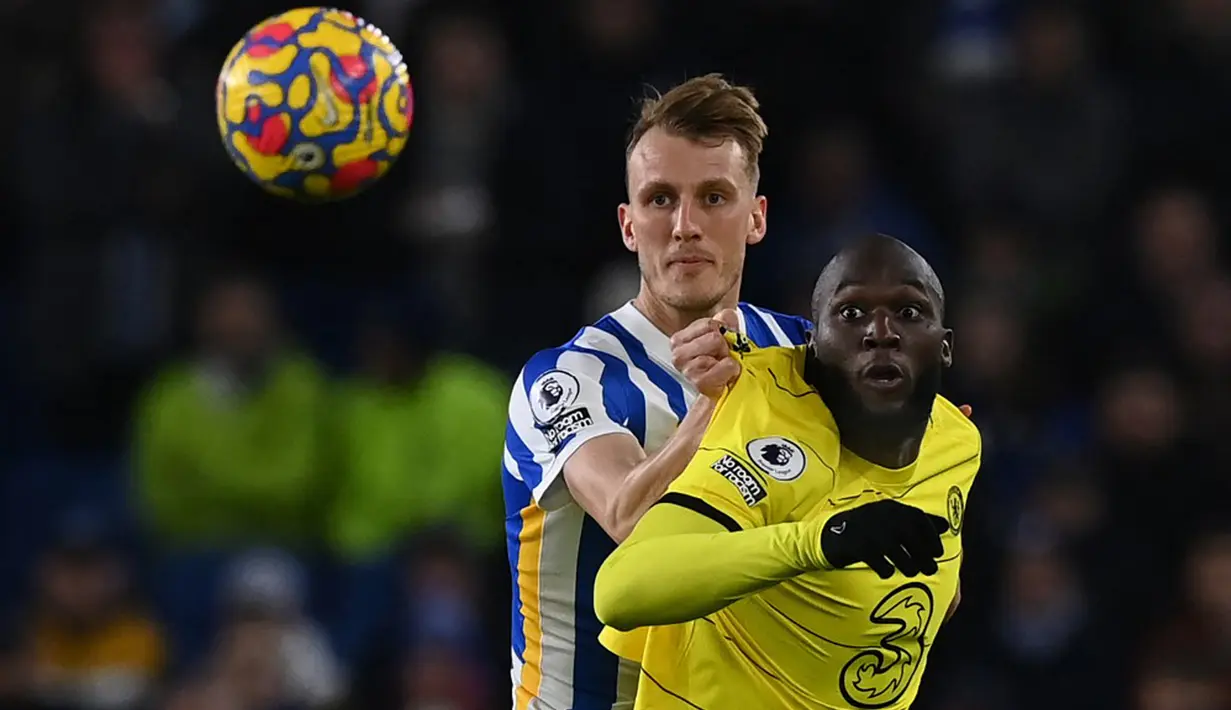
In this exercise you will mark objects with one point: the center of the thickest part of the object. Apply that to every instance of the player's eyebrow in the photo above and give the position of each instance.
(916, 284)
(910, 283)
(919, 289)
(720, 183)
(654, 187)
(913, 282)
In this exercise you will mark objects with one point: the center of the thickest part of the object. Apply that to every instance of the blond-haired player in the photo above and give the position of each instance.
(601, 425)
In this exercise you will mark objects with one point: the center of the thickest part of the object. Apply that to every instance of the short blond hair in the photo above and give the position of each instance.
(707, 109)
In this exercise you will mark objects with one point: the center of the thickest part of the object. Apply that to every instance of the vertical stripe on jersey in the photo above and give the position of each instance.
(629, 674)
(547, 599)
(756, 329)
(662, 379)
(528, 469)
(516, 499)
(524, 529)
(530, 542)
(558, 601)
(595, 670)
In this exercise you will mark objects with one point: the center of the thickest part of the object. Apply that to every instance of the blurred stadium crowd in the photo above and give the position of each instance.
(249, 451)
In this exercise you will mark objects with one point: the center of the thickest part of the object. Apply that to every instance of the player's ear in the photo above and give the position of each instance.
(625, 215)
(946, 349)
(758, 220)
(810, 341)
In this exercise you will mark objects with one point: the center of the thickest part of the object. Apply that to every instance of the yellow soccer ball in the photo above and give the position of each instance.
(314, 104)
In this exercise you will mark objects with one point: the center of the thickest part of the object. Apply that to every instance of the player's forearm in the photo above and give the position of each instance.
(669, 579)
(649, 480)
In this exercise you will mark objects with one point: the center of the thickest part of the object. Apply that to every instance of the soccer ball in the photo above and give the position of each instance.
(314, 104)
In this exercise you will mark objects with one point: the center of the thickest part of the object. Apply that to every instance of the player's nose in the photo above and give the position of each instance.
(880, 332)
(685, 225)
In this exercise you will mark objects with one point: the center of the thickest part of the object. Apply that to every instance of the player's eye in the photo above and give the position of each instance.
(911, 312)
(660, 200)
(308, 156)
(850, 313)
(714, 199)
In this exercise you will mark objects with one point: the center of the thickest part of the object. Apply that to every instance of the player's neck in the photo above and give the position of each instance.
(890, 440)
(889, 445)
(671, 320)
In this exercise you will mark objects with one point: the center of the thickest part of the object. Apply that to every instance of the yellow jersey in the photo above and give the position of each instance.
(835, 639)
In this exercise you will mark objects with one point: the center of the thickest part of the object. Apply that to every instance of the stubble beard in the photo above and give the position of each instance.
(852, 414)
(689, 298)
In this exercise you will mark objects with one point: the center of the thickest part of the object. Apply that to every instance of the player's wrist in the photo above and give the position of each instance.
(829, 542)
(812, 547)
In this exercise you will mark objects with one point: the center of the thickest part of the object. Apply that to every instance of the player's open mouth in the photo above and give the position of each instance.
(886, 375)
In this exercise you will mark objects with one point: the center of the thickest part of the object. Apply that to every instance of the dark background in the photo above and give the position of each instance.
(1065, 166)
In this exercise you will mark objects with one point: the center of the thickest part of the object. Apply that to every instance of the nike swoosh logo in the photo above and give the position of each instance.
(838, 529)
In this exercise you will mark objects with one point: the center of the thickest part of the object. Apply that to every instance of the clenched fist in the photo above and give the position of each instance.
(702, 354)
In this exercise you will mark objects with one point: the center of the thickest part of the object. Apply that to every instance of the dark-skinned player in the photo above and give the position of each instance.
(808, 555)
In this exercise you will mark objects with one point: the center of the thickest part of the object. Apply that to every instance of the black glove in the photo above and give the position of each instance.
(907, 536)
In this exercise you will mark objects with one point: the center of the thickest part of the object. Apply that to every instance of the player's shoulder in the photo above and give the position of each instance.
(585, 354)
(588, 373)
(954, 423)
(956, 441)
(768, 327)
(552, 377)
(772, 404)
(783, 318)
(776, 371)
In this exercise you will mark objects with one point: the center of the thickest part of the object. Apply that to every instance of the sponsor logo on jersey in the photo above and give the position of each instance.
(747, 484)
(781, 458)
(565, 425)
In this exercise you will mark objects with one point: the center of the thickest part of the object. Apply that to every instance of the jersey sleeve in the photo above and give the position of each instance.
(562, 399)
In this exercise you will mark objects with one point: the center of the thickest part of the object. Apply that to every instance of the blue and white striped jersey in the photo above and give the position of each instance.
(613, 376)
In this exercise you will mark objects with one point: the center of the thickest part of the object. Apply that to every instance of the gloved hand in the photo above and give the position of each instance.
(884, 535)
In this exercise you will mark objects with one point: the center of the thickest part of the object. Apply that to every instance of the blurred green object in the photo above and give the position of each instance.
(217, 467)
(422, 454)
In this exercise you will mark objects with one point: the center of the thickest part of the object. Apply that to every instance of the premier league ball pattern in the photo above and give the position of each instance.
(314, 104)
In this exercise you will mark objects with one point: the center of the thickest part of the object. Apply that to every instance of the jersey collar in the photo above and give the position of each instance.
(656, 342)
(878, 474)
